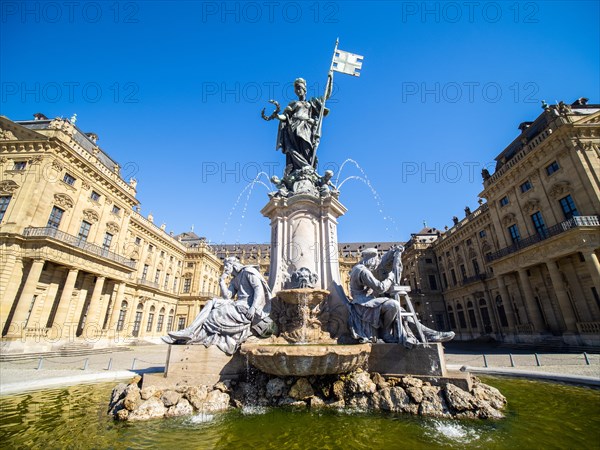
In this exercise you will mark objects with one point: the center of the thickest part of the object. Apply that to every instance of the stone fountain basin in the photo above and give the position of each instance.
(307, 359)
(301, 296)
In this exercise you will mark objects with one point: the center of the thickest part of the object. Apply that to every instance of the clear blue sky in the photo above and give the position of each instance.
(175, 89)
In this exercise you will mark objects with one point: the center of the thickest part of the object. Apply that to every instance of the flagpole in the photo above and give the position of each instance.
(322, 111)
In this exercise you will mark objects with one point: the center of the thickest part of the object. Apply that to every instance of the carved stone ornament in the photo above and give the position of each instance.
(85, 186)
(63, 200)
(3, 159)
(508, 219)
(91, 216)
(7, 135)
(532, 205)
(112, 227)
(302, 278)
(8, 187)
(559, 189)
(56, 165)
(35, 160)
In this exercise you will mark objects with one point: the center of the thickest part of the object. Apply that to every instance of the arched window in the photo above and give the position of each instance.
(122, 314)
(471, 312)
(170, 320)
(501, 311)
(461, 316)
(150, 319)
(138, 320)
(451, 317)
(485, 315)
(161, 319)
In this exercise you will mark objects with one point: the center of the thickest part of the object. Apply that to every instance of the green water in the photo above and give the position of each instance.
(539, 416)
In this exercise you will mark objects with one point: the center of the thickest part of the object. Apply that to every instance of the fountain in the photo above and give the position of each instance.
(302, 326)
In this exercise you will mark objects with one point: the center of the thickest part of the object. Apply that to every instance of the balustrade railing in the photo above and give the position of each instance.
(573, 222)
(79, 243)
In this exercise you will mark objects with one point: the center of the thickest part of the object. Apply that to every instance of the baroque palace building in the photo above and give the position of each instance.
(81, 267)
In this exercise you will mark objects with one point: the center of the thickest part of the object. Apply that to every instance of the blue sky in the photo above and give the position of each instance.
(175, 90)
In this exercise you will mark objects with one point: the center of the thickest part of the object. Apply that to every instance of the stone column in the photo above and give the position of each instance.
(65, 299)
(24, 304)
(50, 296)
(563, 299)
(507, 303)
(530, 303)
(92, 324)
(581, 305)
(591, 260)
(114, 316)
(88, 282)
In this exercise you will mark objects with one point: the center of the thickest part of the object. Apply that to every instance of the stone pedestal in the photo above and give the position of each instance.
(304, 234)
(196, 364)
(395, 359)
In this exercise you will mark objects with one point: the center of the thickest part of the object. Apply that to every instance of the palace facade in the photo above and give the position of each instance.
(81, 267)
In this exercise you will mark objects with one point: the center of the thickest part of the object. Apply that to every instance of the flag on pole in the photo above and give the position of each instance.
(346, 62)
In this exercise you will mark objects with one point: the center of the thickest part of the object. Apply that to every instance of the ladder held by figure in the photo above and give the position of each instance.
(401, 293)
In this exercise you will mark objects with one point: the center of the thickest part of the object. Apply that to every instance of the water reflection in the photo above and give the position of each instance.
(539, 415)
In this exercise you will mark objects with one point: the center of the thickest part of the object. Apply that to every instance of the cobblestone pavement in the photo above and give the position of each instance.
(25, 373)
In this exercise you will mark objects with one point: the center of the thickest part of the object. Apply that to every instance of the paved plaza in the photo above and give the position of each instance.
(27, 373)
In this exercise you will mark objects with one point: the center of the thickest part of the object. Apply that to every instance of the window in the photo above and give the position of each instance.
(432, 283)
(181, 323)
(150, 319)
(190, 264)
(138, 320)
(553, 167)
(175, 281)
(84, 230)
(538, 223)
(513, 231)
(504, 201)
(471, 312)
(107, 240)
(568, 206)
(145, 272)
(116, 210)
(469, 242)
(161, 319)
(475, 266)
(122, 313)
(167, 281)
(428, 261)
(461, 316)
(187, 284)
(55, 217)
(170, 320)
(4, 201)
(445, 279)
(463, 271)
(451, 317)
(482, 234)
(95, 196)
(138, 240)
(526, 186)
(69, 179)
(150, 248)
(20, 165)
(453, 275)
(162, 253)
(157, 276)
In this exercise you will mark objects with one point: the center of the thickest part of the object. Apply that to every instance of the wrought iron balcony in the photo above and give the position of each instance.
(79, 243)
(574, 222)
(473, 279)
(147, 283)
